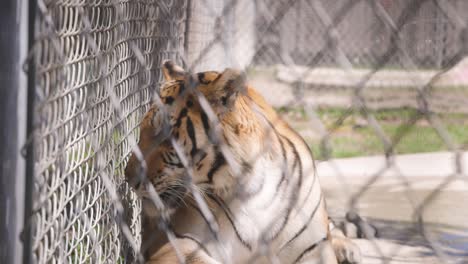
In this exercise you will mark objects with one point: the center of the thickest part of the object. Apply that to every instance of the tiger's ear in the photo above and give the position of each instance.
(228, 85)
(172, 71)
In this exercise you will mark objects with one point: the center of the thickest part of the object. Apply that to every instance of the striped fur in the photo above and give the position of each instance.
(256, 174)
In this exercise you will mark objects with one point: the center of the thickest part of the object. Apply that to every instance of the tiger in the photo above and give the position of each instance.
(212, 136)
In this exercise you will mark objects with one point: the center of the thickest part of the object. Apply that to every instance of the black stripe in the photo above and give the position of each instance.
(166, 157)
(201, 78)
(289, 208)
(311, 188)
(169, 66)
(309, 192)
(283, 152)
(224, 100)
(189, 103)
(191, 134)
(307, 250)
(173, 154)
(186, 236)
(199, 157)
(230, 217)
(217, 164)
(212, 231)
(182, 114)
(295, 193)
(304, 227)
(228, 85)
(297, 161)
(175, 164)
(297, 158)
(181, 86)
(205, 122)
(283, 224)
(217, 78)
(285, 160)
(199, 166)
(246, 167)
(169, 100)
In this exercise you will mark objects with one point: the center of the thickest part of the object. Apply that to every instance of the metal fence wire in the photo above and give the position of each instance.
(98, 67)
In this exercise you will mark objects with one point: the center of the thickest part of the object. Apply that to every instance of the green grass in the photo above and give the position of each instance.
(355, 137)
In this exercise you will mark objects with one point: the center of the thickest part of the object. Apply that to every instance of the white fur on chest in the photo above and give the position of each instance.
(251, 221)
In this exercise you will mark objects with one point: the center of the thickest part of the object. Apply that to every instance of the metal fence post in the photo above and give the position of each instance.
(13, 116)
(30, 11)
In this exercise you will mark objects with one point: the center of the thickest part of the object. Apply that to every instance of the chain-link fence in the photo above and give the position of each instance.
(97, 66)
(354, 78)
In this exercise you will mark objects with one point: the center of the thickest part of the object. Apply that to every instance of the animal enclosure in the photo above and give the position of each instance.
(356, 78)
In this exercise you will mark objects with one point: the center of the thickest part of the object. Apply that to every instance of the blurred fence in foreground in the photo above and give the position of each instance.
(96, 66)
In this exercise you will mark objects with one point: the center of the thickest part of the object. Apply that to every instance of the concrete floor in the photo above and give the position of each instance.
(418, 188)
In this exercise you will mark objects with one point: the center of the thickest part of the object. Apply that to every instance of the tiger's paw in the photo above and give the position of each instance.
(346, 251)
(357, 227)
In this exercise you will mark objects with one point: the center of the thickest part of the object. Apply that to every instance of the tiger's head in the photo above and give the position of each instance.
(199, 113)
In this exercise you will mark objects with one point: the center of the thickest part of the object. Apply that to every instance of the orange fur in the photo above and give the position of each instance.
(247, 127)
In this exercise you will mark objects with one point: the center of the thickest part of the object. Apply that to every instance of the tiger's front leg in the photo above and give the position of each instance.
(189, 249)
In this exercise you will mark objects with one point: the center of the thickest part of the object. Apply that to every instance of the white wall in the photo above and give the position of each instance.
(220, 34)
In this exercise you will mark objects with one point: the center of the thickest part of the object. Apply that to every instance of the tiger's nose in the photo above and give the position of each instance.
(134, 174)
(134, 181)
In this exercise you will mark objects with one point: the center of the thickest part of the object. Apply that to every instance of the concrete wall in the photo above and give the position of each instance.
(220, 34)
